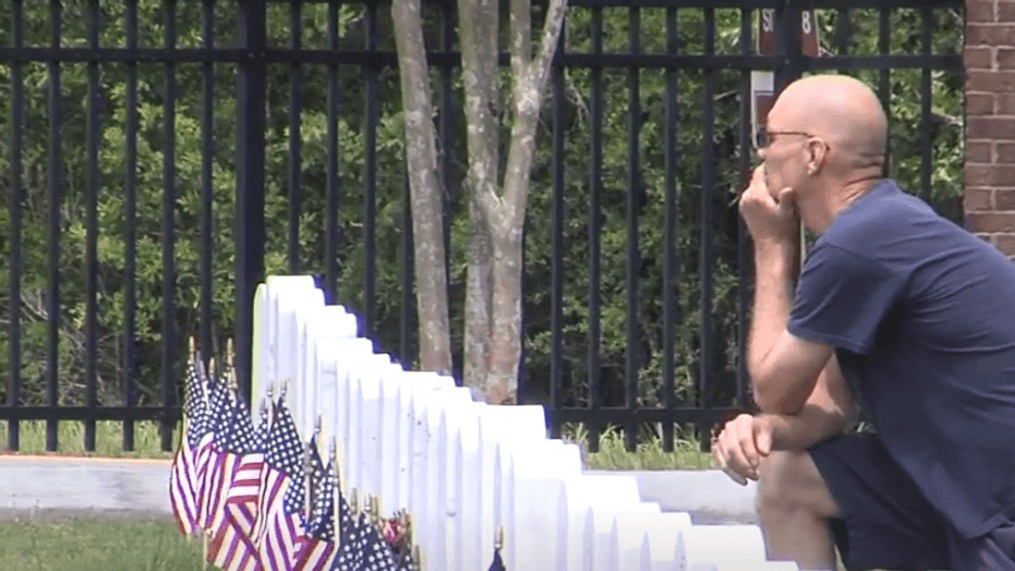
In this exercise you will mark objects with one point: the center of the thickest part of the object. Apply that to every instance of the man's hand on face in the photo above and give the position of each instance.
(741, 445)
(770, 216)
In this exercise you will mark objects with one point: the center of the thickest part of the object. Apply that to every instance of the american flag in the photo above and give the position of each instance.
(318, 548)
(239, 441)
(279, 537)
(207, 455)
(183, 483)
(223, 462)
(231, 547)
(363, 549)
(282, 446)
(498, 563)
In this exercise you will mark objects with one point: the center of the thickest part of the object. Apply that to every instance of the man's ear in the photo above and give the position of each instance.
(817, 151)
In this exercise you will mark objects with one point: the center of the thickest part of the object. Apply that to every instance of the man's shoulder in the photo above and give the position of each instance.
(885, 213)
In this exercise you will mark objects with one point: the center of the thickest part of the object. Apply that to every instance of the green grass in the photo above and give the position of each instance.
(108, 439)
(97, 546)
(612, 454)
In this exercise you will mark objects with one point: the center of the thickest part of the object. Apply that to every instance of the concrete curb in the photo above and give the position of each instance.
(709, 496)
(101, 487)
(54, 487)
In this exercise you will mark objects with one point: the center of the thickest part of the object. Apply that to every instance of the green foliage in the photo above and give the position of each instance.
(646, 191)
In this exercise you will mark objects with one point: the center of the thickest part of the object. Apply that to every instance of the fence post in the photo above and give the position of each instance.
(249, 181)
(787, 45)
(791, 67)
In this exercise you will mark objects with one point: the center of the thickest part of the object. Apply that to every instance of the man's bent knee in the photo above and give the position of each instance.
(789, 482)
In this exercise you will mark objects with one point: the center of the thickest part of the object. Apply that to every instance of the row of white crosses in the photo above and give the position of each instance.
(469, 474)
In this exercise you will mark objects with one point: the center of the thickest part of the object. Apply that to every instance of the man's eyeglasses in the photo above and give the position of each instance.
(763, 137)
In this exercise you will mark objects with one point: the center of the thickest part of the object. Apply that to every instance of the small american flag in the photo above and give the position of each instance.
(183, 481)
(239, 441)
(498, 563)
(364, 549)
(283, 529)
(210, 456)
(318, 548)
(224, 462)
(232, 548)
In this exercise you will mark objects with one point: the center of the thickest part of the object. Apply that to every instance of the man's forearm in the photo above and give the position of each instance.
(801, 431)
(773, 281)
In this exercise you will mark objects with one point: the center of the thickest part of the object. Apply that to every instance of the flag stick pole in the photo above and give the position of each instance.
(335, 495)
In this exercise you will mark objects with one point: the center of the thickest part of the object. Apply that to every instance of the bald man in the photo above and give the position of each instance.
(897, 310)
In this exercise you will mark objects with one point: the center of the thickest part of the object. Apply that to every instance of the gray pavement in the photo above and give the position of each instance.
(48, 488)
(33, 487)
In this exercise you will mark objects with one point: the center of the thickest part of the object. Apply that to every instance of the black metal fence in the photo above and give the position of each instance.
(348, 221)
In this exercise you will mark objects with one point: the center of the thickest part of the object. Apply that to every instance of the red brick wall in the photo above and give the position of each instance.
(989, 59)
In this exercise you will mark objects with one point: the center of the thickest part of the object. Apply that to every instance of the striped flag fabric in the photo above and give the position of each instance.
(209, 455)
(282, 448)
(232, 548)
(184, 495)
(222, 462)
(318, 548)
(245, 489)
(282, 495)
(239, 441)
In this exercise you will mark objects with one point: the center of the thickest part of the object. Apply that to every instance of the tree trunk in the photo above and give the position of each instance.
(506, 213)
(479, 24)
(506, 339)
(478, 303)
(421, 156)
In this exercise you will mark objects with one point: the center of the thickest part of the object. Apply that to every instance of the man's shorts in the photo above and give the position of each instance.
(887, 522)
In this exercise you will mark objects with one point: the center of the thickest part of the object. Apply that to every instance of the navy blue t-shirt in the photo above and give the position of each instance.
(922, 316)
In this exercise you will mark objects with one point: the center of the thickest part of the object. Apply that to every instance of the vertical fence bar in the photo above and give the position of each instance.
(405, 322)
(130, 227)
(885, 77)
(370, 175)
(557, 235)
(207, 181)
(671, 265)
(446, 129)
(332, 187)
(926, 99)
(92, 223)
(787, 42)
(843, 33)
(744, 262)
(295, 109)
(788, 46)
(249, 182)
(707, 253)
(634, 191)
(17, 197)
(595, 228)
(55, 201)
(168, 230)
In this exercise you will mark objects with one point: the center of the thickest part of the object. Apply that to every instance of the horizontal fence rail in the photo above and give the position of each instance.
(163, 157)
